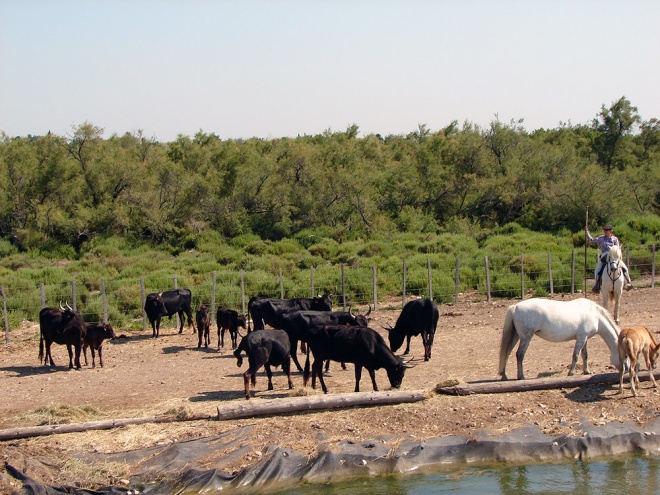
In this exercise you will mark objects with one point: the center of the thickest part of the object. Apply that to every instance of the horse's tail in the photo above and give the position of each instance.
(509, 339)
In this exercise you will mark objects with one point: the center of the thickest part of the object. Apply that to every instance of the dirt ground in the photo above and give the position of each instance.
(170, 375)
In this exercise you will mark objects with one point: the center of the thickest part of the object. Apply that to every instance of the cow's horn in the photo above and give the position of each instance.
(388, 328)
(69, 307)
(368, 312)
(61, 307)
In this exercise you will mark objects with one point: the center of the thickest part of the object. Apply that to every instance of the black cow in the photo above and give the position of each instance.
(418, 316)
(63, 326)
(203, 319)
(362, 346)
(94, 337)
(264, 310)
(168, 303)
(230, 320)
(264, 348)
(299, 323)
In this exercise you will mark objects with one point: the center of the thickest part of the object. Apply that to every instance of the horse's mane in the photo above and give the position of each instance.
(606, 314)
(615, 252)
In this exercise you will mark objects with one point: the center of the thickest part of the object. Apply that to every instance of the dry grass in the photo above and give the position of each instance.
(60, 414)
(83, 474)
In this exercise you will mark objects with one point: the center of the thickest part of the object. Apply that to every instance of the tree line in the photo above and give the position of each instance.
(64, 190)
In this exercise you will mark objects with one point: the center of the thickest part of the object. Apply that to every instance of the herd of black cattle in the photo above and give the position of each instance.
(329, 335)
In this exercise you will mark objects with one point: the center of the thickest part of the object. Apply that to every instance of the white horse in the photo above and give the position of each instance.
(612, 280)
(557, 321)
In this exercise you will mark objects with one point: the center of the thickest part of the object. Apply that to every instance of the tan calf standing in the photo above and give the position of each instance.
(632, 342)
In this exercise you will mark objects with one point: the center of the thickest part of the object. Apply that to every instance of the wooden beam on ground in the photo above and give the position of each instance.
(259, 407)
(504, 386)
(107, 424)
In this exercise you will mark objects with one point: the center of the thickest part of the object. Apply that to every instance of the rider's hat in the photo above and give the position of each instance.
(608, 226)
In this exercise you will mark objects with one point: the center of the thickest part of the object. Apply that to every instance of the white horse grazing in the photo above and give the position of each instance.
(557, 321)
(612, 280)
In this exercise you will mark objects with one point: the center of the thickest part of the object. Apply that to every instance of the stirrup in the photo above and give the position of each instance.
(628, 286)
(595, 289)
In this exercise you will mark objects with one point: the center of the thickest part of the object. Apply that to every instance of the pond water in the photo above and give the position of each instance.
(630, 475)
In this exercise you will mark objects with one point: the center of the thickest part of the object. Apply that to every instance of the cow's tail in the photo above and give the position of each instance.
(306, 371)
(41, 348)
(509, 339)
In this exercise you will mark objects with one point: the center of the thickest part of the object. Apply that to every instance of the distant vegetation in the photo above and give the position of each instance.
(85, 207)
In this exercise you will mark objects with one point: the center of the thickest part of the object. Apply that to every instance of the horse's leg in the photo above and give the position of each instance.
(580, 348)
(617, 302)
(520, 355)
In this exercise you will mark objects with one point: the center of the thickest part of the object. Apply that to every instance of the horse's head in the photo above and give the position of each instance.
(614, 258)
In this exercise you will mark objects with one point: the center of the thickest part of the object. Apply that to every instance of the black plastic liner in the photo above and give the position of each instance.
(179, 465)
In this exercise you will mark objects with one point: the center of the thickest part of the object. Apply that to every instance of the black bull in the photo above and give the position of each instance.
(168, 303)
(265, 310)
(62, 326)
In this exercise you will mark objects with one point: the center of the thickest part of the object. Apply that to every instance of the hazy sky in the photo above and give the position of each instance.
(291, 67)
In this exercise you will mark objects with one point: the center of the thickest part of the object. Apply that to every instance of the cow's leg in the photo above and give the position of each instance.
(427, 346)
(70, 350)
(49, 356)
(78, 348)
(358, 375)
(269, 374)
(649, 365)
(294, 344)
(372, 374)
(221, 337)
(233, 336)
(317, 371)
(191, 321)
(181, 320)
(286, 367)
(407, 351)
(85, 354)
(246, 382)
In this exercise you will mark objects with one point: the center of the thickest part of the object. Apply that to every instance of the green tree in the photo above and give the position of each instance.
(613, 129)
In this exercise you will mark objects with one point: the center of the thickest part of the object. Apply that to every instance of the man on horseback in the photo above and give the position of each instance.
(606, 241)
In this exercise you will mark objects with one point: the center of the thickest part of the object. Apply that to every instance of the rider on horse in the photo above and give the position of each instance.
(606, 241)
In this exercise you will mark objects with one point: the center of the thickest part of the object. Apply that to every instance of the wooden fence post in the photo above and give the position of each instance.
(311, 270)
(430, 277)
(343, 288)
(653, 268)
(281, 285)
(552, 287)
(4, 312)
(104, 302)
(243, 294)
(73, 295)
(522, 277)
(144, 313)
(42, 291)
(213, 288)
(456, 279)
(403, 285)
(374, 281)
(572, 271)
(487, 279)
(176, 316)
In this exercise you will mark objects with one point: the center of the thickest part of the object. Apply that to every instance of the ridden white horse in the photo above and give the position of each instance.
(557, 321)
(612, 280)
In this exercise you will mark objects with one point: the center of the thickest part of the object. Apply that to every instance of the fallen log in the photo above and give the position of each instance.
(245, 409)
(107, 424)
(503, 386)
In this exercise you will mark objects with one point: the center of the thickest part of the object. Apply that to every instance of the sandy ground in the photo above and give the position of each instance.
(170, 375)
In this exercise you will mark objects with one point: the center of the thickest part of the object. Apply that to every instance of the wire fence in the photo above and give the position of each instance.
(389, 284)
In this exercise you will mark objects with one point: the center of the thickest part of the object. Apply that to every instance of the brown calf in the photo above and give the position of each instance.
(94, 337)
(632, 342)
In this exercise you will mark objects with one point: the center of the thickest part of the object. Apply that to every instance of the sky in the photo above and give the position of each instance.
(284, 68)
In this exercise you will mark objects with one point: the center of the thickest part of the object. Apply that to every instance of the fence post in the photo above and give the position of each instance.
(42, 290)
(104, 302)
(522, 277)
(176, 316)
(403, 288)
(281, 285)
(4, 312)
(343, 288)
(213, 287)
(627, 256)
(487, 279)
(374, 283)
(428, 272)
(552, 287)
(572, 271)
(243, 294)
(312, 279)
(73, 295)
(144, 313)
(653, 267)
(456, 279)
